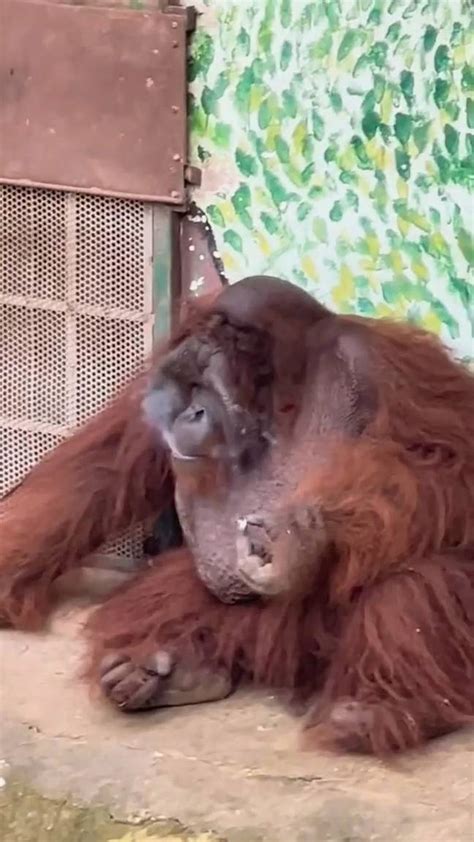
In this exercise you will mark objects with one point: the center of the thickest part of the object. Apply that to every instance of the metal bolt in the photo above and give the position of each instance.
(174, 194)
(176, 156)
(174, 109)
(174, 24)
(175, 44)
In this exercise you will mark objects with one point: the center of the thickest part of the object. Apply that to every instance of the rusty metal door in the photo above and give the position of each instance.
(93, 99)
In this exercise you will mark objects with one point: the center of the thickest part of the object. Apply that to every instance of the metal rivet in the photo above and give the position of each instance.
(174, 194)
(174, 25)
(175, 44)
(174, 109)
(176, 156)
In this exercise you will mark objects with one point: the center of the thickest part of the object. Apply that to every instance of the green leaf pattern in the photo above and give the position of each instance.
(336, 143)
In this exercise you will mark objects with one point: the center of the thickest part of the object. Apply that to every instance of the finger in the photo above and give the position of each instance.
(116, 675)
(255, 520)
(126, 689)
(242, 546)
(144, 694)
(110, 661)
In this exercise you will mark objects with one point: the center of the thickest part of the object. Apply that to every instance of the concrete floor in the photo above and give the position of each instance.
(228, 771)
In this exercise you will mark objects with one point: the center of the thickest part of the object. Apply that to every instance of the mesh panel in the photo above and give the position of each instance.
(96, 255)
(19, 450)
(129, 545)
(35, 342)
(33, 236)
(76, 317)
(106, 355)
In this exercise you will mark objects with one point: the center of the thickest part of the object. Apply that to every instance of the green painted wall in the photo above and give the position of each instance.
(336, 139)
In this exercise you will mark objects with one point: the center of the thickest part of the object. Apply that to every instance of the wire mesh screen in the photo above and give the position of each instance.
(76, 317)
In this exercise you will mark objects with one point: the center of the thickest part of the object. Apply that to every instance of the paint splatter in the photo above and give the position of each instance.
(346, 132)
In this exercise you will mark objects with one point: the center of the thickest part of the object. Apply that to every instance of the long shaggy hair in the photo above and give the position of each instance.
(385, 637)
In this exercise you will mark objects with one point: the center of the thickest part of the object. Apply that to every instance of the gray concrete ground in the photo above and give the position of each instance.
(229, 771)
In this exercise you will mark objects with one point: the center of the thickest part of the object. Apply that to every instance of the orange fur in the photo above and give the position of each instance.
(105, 478)
(390, 624)
(406, 653)
(169, 607)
